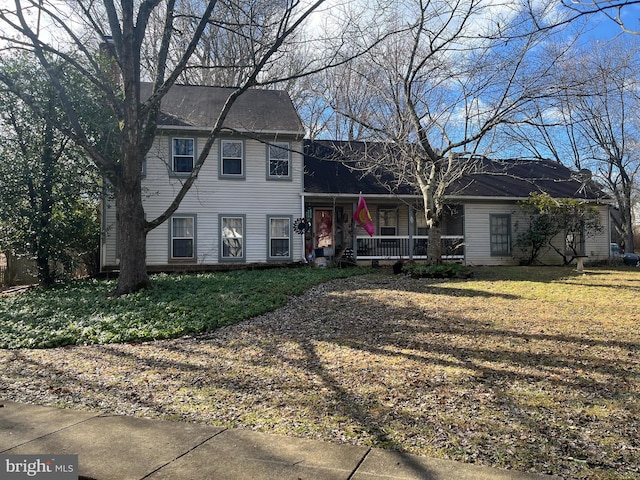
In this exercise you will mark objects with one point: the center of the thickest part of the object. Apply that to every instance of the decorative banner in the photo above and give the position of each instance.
(363, 217)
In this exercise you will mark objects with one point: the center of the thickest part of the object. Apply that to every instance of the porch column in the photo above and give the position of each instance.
(303, 239)
(412, 222)
(354, 232)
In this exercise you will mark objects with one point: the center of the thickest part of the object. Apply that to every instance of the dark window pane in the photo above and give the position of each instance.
(280, 248)
(183, 248)
(232, 167)
(182, 164)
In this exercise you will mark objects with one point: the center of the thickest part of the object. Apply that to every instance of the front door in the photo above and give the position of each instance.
(323, 228)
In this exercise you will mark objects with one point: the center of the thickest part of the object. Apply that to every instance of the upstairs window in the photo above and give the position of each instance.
(232, 158)
(279, 160)
(182, 154)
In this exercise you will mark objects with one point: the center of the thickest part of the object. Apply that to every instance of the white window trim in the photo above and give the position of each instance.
(395, 227)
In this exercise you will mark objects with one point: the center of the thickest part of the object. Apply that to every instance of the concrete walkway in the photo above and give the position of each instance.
(115, 448)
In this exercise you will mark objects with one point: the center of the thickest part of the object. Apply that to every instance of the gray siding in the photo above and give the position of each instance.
(253, 196)
(477, 236)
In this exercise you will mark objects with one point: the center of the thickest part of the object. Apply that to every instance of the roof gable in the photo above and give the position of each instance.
(256, 110)
(326, 172)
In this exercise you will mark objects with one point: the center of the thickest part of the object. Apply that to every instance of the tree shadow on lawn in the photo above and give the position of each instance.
(372, 362)
(539, 388)
(537, 392)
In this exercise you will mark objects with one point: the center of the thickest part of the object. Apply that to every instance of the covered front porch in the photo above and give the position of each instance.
(401, 230)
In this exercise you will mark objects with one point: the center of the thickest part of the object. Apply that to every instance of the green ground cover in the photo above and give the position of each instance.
(82, 312)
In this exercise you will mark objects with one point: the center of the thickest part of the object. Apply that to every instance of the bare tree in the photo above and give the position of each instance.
(445, 77)
(618, 11)
(589, 121)
(70, 32)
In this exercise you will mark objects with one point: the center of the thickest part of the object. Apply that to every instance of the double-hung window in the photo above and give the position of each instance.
(279, 160)
(182, 155)
(389, 228)
(279, 237)
(388, 221)
(232, 237)
(232, 158)
(500, 232)
(183, 235)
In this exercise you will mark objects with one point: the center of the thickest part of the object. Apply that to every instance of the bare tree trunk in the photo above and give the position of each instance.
(434, 246)
(44, 239)
(131, 225)
(132, 239)
(428, 174)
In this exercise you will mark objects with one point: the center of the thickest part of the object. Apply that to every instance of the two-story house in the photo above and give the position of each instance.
(242, 206)
(260, 177)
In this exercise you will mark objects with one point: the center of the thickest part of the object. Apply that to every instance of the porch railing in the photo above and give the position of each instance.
(387, 247)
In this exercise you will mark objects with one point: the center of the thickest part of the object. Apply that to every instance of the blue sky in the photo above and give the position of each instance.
(603, 28)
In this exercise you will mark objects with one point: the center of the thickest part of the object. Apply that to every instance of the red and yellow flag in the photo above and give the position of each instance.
(363, 217)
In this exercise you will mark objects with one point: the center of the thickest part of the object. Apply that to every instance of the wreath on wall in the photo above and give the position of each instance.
(301, 226)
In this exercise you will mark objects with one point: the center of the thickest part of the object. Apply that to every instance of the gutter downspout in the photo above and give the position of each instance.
(304, 235)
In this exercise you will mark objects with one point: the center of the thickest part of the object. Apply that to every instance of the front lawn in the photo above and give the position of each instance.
(81, 312)
(527, 368)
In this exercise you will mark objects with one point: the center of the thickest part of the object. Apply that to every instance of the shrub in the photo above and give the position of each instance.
(447, 270)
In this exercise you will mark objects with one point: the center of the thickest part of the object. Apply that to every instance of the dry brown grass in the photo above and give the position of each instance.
(533, 369)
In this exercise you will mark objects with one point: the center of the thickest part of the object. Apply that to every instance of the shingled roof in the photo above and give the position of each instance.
(256, 110)
(327, 172)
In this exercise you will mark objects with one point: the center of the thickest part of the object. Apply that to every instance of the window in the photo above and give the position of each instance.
(279, 160)
(500, 226)
(388, 222)
(279, 237)
(232, 237)
(182, 154)
(183, 237)
(422, 229)
(232, 158)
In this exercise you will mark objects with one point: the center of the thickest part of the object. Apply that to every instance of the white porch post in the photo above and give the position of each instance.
(411, 228)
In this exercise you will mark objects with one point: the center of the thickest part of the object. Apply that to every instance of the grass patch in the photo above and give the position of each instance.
(81, 312)
(533, 369)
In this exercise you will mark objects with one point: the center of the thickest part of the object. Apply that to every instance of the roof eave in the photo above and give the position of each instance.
(448, 198)
(299, 134)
